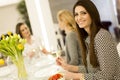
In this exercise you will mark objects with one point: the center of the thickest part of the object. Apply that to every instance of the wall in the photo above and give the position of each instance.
(106, 9)
(107, 12)
(9, 16)
(41, 22)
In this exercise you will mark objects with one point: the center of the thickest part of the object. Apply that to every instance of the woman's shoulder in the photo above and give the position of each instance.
(102, 33)
(35, 38)
(104, 36)
(71, 35)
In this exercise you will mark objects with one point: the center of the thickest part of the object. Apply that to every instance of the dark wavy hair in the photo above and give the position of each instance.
(18, 28)
(94, 28)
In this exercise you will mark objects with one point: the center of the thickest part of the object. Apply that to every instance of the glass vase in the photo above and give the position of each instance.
(19, 62)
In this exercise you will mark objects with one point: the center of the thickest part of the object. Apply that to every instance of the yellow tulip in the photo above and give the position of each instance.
(3, 36)
(20, 46)
(2, 62)
(15, 36)
(9, 33)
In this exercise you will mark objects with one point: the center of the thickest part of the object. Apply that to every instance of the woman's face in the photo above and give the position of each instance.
(82, 17)
(25, 31)
(61, 25)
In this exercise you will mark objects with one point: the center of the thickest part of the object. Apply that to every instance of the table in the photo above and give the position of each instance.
(38, 69)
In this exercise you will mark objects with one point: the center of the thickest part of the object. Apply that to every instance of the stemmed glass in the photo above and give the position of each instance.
(8, 61)
(9, 65)
(42, 50)
(59, 51)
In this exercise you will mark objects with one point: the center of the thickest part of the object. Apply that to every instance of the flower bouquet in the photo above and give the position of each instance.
(12, 45)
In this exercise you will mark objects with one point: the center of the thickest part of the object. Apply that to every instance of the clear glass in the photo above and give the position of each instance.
(8, 61)
(19, 62)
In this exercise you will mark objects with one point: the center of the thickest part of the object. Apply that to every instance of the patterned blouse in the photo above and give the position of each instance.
(108, 59)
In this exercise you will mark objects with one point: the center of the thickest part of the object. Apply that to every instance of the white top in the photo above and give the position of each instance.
(35, 46)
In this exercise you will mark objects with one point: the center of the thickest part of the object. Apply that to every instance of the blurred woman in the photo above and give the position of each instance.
(72, 50)
(33, 44)
(98, 50)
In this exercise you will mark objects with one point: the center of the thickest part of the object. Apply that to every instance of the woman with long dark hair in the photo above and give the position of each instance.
(98, 50)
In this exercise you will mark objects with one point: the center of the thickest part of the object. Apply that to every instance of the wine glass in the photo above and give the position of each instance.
(8, 61)
(35, 55)
(59, 51)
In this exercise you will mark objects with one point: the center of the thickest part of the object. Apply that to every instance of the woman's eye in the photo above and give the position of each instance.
(83, 13)
(22, 30)
(25, 28)
(76, 14)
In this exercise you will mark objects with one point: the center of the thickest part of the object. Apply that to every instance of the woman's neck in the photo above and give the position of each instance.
(29, 40)
(68, 29)
(87, 30)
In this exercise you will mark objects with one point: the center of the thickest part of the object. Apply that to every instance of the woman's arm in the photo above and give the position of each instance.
(61, 62)
(72, 49)
(73, 76)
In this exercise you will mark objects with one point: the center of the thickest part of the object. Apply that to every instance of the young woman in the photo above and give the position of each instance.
(98, 50)
(32, 45)
(72, 50)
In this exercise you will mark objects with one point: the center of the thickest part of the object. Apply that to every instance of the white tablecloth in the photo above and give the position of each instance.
(37, 68)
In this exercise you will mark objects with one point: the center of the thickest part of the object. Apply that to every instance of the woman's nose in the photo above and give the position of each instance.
(79, 17)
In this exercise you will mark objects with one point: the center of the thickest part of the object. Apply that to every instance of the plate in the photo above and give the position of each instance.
(44, 62)
(4, 71)
(46, 72)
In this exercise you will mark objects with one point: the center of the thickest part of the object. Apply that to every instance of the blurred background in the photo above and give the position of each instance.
(40, 16)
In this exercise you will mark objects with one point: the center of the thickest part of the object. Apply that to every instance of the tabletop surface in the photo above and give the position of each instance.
(40, 68)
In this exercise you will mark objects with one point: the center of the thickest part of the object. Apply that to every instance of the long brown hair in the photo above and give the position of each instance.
(94, 28)
(18, 28)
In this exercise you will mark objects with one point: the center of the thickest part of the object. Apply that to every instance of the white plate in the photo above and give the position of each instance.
(44, 63)
(4, 71)
(46, 72)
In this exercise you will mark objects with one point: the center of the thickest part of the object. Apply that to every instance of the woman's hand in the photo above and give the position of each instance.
(31, 54)
(61, 62)
(68, 75)
(73, 76)
(44, 51)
